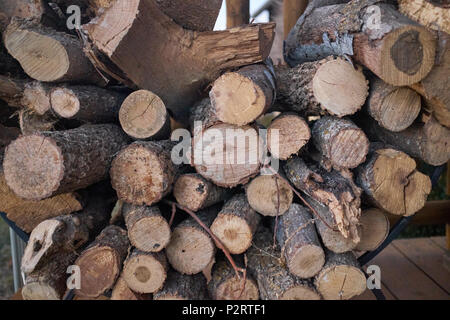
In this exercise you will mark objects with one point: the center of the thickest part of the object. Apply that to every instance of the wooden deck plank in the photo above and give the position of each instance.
(368, 295)
(404, 279)
(428, 256)
(440, 241)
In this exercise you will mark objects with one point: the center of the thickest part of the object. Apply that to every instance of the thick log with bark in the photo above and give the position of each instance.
(86, 103)
(143, 115)
(427, 140)
(335, 190)
(392, 183)
(148, 39)
(236, 224)
(329, 86)
(274, 280)
(191, 248)
(194, 192)
(225, 285)
(242, 96)
(47, 55)
(300, 245)
(341, 277)
(148, 230)
(101, 262)
(143, 172)
(393, 47)
(145, 272)
(394, 108)
(433, 14)
(65, 233)
(287, 135)
(341, 143)
(268, 199)
(374, 229)
(121, 291)
(182, 287)
(44, 164)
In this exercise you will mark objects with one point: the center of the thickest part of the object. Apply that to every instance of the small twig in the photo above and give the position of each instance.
(219, 243)
(172, 217)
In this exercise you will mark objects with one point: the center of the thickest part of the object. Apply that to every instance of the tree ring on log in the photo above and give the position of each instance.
(300, 293)
(233, 231)
(159, 231)
(64, 102)
(144, 273)
(341, 282)
(344, 145)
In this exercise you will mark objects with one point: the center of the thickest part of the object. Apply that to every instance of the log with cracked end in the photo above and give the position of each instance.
(275, 282)
(225, 285)
(263, 195)
(47, 55)
(341, 278)
(143, 116)
(194, 192)
(41, 165)
(335, 190)
(191, 248)
(182, 287)
(340, 142)
(65, 233)
(392, 183)
(242, 96)
(329, 86)
(374, 229)
(145, 272)
(130, 32)
(400, 52)
(101, 262)
(394, 108)
(299, 243)
(236, 224)
(287, 135)
(148, 230)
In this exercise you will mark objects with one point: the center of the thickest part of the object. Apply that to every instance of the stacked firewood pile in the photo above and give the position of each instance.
(112, 169)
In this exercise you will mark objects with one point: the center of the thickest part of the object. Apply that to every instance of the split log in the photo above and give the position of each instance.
(101, 262)
(148, 230)
(65, 233)
(48, 55)
(49, 282)
(225, 285)
(31, 122)
(332, 239)
(394, 108)
(238, 13)
(41, 165)
(197, 15)
(340, 142)
(433, 14)
(86, 103)
(341, 277)
(242, 96)
(300, 246)
(236, 224)
(121, 291)
(374, 229)
(287, 135)
(428, 141)
(143, 115)
(274, 280)
(335, 190)
(263, 195)
(149, 38)
(194, 192)
(182, 287)
(143, 172)
(191, 248)
(397, 49)
(392, 183)
(329, 86)
(145, 272)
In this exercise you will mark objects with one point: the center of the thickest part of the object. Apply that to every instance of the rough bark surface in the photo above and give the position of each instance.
(182, 287)
(432, 14)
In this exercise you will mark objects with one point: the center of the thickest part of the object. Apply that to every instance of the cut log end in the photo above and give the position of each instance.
(39, 291)
(36, 98)
(307, 261)
(374, 229)
(300, 293)
(121, 291)
(234, 232)
(262, 195)
(145, 273)
(33, 166)
(341, 282)
(64, 102)
(191, 191)
(151, 234)
(344, 156)
(231, 289)
(143, 114)
(340, 88)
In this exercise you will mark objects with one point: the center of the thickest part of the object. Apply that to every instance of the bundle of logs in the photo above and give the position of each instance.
(308, 160)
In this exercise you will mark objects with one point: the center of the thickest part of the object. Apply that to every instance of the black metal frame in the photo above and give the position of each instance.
(364, 259)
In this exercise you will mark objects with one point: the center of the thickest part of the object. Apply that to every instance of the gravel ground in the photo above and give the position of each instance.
(6, 277)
